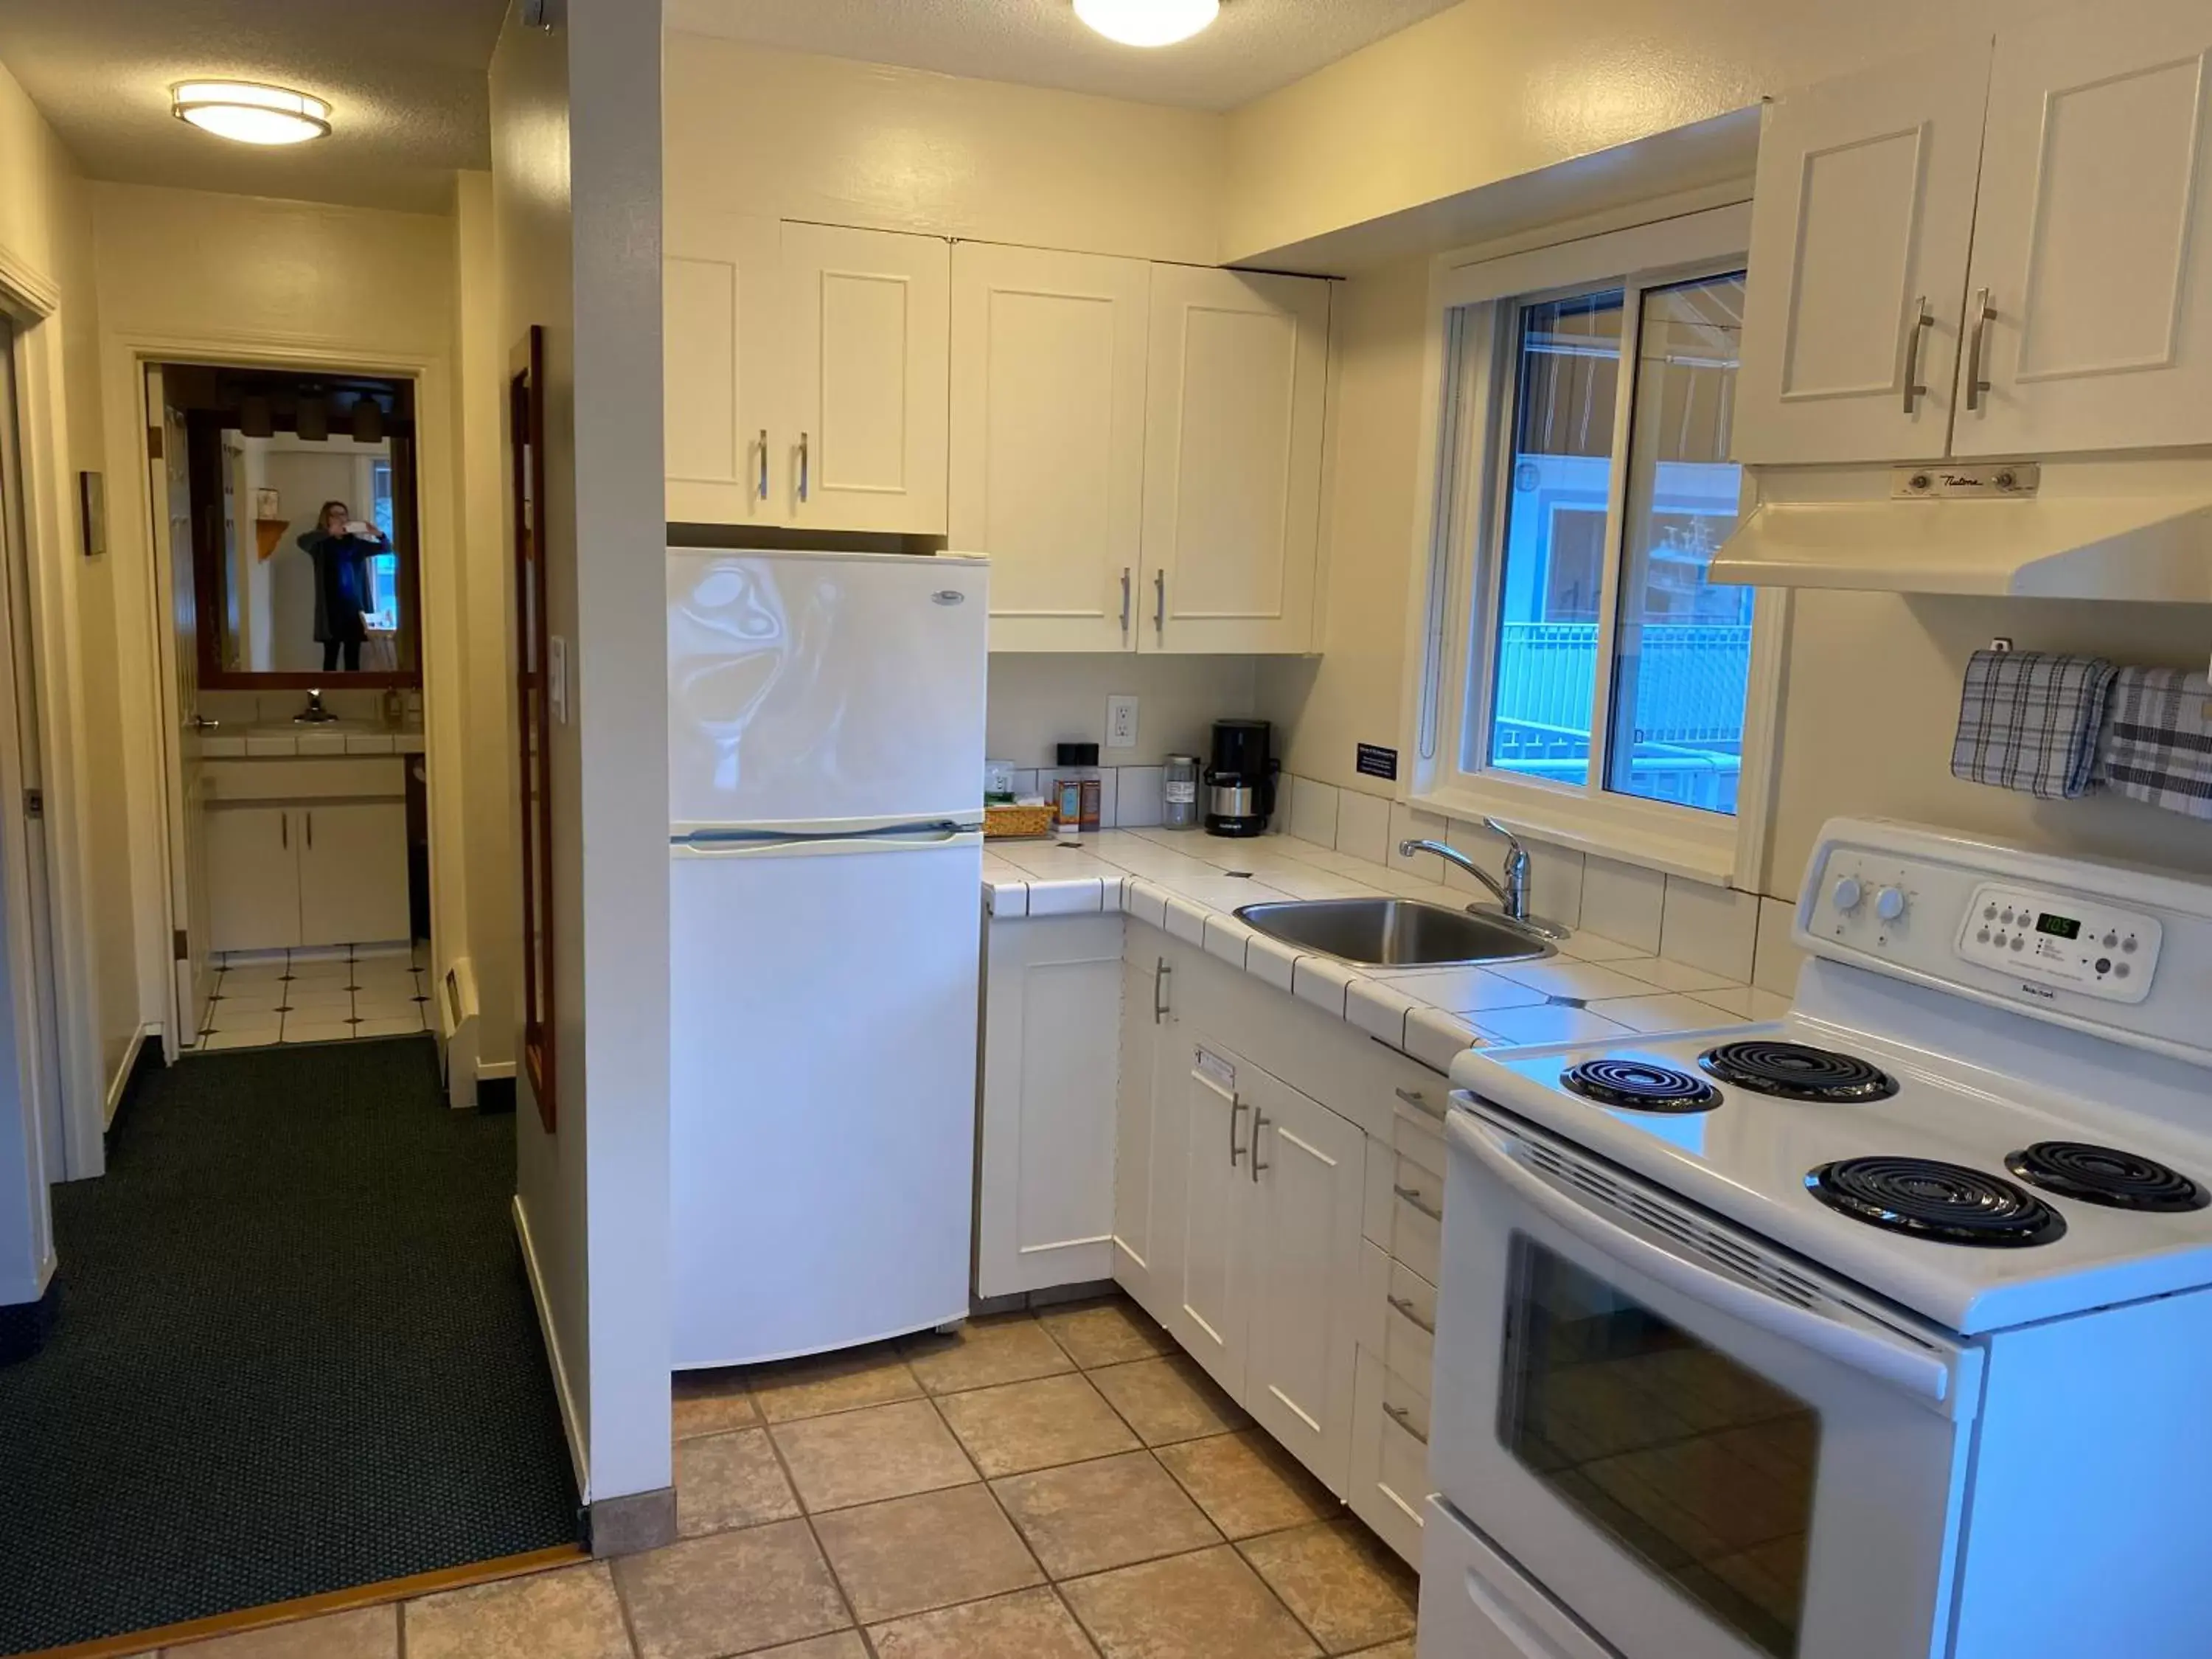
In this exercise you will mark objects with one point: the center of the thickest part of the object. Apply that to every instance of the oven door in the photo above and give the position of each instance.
(1702, 1446)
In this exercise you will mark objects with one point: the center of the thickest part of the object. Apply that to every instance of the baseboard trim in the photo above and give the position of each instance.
(632, 1523)
(489, 1069)
(120, 1082)
(579, 1458)
(313, 1607)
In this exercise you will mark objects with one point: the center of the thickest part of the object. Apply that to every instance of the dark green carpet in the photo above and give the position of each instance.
(296, 1352)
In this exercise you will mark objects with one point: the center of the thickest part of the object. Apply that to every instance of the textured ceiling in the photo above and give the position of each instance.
(406, 80)
(1255, 47)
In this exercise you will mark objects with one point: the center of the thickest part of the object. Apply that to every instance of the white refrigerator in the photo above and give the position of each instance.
(825, 747)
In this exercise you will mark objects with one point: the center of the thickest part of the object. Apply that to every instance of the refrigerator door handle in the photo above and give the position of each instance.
(900, 838)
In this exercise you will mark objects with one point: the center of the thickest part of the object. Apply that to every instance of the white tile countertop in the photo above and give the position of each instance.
(257, 745)
(1191, 884)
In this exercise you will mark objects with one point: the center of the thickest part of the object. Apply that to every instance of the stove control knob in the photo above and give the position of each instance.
(1848, 894)
(1889, 903)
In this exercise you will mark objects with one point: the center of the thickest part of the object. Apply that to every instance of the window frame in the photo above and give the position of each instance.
(1476, 298)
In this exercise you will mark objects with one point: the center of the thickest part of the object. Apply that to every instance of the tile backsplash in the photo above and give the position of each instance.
(1738, 936)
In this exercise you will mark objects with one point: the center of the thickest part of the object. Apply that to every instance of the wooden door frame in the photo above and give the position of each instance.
(533, 729)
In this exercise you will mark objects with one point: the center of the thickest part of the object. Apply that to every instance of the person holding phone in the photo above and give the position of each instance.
(341, 546)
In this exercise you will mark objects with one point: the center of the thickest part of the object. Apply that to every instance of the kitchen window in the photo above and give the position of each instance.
(1586, 681)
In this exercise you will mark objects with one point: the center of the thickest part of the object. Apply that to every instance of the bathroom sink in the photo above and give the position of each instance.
(1392, 932)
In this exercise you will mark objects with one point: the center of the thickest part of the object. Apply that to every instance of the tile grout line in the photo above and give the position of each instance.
(814, 1533)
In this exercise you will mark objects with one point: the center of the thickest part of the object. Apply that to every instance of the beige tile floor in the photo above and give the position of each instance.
(319, 996)
(1061, 1487)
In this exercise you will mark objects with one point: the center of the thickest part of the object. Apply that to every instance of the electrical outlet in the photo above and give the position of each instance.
(1121, 722)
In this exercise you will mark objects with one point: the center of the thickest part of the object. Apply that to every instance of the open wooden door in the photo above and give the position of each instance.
(169, 493)
(535, 678)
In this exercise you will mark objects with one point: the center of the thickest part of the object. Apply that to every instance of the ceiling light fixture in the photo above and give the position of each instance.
(1147, 22)
(249, 113)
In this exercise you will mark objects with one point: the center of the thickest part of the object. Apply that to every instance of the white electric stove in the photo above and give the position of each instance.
(1883, 1329)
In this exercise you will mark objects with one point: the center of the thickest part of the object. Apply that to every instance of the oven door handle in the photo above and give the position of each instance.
(1911, 1370)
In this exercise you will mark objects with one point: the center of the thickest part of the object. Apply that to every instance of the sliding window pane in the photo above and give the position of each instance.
(1683, 656)
(1567, 380)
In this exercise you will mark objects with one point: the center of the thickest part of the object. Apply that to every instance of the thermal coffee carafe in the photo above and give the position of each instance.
(1240, 784)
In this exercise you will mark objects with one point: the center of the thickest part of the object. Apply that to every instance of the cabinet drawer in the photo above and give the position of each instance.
(1419, 1138)
(1404, 1210)
(1409, 1342)
(1389, 1460)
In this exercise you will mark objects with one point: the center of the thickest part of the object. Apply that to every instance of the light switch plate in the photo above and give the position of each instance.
(1121, 722)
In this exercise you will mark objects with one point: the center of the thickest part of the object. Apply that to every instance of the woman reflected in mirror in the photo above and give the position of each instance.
(341, 546)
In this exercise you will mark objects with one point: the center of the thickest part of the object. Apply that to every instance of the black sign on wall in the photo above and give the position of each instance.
(1376, 761)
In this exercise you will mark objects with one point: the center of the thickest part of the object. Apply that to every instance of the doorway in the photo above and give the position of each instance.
(24, 855)
(286, 521)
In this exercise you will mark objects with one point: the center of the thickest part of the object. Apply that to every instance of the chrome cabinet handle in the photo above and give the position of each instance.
(1923, 319)
(1418, 1199)
(1404, 1304)
(1404, 1418)
(1161, 970)
(311, 832)
(763, 464)
(803, 465)
(1985, 312)
(284, 831)
(1125, 598)
(1160, 603)
(1236, 1107)
(1419, 1102)
(1259, 1122)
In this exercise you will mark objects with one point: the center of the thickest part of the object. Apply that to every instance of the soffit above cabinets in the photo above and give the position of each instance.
(1255, 47)
(2157, 547)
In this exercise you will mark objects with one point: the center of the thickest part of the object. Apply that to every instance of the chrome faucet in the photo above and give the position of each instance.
(1512, 891)
(314, 713)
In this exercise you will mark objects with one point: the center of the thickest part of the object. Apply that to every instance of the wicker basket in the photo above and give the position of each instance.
(1013, 823)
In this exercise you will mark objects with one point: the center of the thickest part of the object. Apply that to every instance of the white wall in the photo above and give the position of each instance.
(576, 188)
(45, 268)
(797, 137)
(484, 629)
(1037, 702)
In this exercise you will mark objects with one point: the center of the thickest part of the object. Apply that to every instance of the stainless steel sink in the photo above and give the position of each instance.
(1392, 932)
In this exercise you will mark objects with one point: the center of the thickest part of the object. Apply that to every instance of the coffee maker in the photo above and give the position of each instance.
(1240, 784)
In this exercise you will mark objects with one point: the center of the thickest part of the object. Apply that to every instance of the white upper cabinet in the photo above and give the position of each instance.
(718, 375)
(2047, 205)
(1048, 440)
(1237, 397)
(867, 340)
(2092, 279)
(804, 375)
(1863, 210)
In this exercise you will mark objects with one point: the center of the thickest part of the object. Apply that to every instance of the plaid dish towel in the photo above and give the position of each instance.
(2157, 746)
(2029, 721)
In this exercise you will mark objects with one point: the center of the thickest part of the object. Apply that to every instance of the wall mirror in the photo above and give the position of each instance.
(304, 526)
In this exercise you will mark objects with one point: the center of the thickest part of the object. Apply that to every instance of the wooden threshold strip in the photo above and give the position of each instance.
(311, 1606)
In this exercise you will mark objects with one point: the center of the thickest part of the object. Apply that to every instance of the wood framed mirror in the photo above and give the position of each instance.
(306, 530)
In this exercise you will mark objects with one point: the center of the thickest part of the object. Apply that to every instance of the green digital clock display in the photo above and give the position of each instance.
(2058, 926)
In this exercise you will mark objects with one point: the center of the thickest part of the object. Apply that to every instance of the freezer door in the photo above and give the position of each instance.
(821, 1132)
(822, 688)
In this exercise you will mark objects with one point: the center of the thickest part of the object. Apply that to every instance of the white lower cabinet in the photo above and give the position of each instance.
(1242, 1192)
(1051, 1058)
(306, 874)
(252, 879)
(1304, 1231)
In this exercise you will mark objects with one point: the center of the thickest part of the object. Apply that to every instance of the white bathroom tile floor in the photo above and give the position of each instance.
(333, 994)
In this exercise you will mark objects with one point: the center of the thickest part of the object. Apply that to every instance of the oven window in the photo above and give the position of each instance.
(1701, 1469)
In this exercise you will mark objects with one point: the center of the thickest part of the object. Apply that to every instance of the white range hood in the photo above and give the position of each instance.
(2066, 546)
